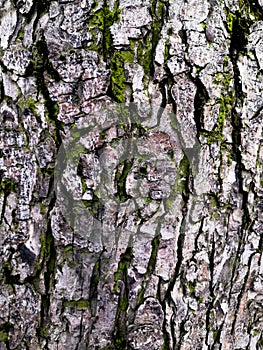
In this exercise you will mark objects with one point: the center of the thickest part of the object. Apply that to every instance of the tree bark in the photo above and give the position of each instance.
(131, 187)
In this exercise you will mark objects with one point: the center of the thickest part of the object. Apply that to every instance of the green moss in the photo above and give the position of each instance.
(44, 331)
(47, 256)
(154, 252)
(21, 34)
(226, 102)
(3, 336)
(120, 343)
(7, 186)
(256, 332)
(180, 185)
(260, 343)
(165, 345)
(215, 334)
(166, 51)
(145, 52)
(123, 302)
(94, 205)
(157, 14)
(191, 287)
(103, 19)
(218, 76)
(68, 255)
(118, 79)
(239, 23)
(78, 304)
(140, 296)
(173, 121)
(68, 250)
(230, 17)
(4, 331)
(43, 208)
(157, 11)
(182, 176)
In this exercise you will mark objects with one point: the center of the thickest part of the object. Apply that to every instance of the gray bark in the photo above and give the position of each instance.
(131, 230)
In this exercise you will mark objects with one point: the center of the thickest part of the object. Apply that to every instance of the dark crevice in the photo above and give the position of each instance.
(200, 100)
(182, 333)
(49, 264)
(120, 180)
(43, 65)
(234, 269)
(258, 113)
(166, 335)
(211, 287)
(163, 86)
(183, 36)
(120, 334)
(93, 291)
(152, 260)
(217, 345)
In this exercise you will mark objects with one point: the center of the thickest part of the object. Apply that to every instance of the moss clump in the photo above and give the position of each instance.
(118, 79)
(230, 20)
(145, 50)
(94, 206)
(226, 103)
(4, 331)
(7, 186)
(103, 19)
(153, 257)
(78, 304)
(120, 342)
(215, 335)
(31, 105)
(181, 183)
(3, 336)
(43, 332)
(192, 286)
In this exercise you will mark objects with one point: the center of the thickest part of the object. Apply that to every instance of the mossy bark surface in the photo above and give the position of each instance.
(159, 106)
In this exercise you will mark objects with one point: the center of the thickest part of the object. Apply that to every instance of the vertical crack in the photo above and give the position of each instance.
(94, 281)
(49, 265)
(211, 288)
(121, 286)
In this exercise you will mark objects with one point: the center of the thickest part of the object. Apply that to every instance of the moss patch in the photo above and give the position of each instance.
(78, 304)
(103, 19)
(118, 78)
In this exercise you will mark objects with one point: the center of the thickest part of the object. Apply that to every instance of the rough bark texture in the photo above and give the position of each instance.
(185, 271)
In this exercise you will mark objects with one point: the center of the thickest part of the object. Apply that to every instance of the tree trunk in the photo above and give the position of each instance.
(131, 190)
